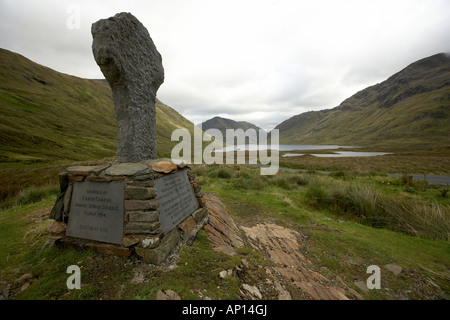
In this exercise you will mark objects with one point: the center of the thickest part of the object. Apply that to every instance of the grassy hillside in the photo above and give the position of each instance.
(50, 117)
(49, 120)
(410, 108)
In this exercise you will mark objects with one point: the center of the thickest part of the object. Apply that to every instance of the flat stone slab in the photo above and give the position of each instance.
(159, 254)
(139, 193)
(85, 170)
(166, 295)
(177, 199)
(143, 216)
(127, 169)
(80, 170)
(163, 166)
(142, 228)
(97, 211)
(145, 205)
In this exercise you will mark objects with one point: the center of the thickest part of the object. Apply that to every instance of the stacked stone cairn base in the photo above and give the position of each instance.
(142, 232)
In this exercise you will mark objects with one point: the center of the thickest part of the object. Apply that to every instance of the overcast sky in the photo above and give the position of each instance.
(260, 61)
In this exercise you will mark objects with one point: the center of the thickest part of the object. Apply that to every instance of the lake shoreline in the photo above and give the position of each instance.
(308, 148)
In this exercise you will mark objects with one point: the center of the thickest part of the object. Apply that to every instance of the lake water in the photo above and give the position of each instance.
(293, 155)
(341, 154)
(299, 147)
(283, 147)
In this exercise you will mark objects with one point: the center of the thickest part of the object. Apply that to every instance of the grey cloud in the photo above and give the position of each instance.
(261, 61)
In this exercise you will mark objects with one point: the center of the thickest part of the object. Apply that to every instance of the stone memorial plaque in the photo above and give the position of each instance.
(96, 211)
(177, 199)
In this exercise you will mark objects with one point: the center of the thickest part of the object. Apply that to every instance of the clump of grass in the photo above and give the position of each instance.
(30, 195)
(291, 180)
(406, 180)
(214, 171)
(410, 185)
(200, 170)
(250, 180)
(240, 183)
(418, 219)
(364, 199)
(242, 174)
(342, 175)
(365, 203)
(224, 173)
(281, 182)
(369, 206)
(299, 180)
(316, 194)
(36, 194)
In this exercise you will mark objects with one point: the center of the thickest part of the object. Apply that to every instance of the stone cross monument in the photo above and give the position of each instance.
(131, 64)
(138, 204)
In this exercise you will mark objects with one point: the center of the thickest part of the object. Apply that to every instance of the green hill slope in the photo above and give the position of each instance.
(411, 108)
(50, 117)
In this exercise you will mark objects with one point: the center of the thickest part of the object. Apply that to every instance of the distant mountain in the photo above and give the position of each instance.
(222, 124)
(47, 116)
(412, 108)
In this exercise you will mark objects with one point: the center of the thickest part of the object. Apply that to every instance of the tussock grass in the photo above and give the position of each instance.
(417, 219)
(30, 195)
(13, 180)
(370, 206)
(348, 196)
(224, 174)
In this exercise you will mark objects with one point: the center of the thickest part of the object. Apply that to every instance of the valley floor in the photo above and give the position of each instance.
(297, 236)
(431, 162)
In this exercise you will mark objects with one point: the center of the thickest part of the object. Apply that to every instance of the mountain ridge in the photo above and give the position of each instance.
(48, 116)
(222, 124)
(411, 107)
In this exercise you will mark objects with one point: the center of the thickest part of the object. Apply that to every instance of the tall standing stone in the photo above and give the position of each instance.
(132, 65)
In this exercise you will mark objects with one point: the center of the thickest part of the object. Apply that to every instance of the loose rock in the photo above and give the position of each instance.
(23, 278)
(252, 290)
(167, 295)
(394, 268)
(25, 286)
(361, 285)
(163, 166)
(225, 273)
